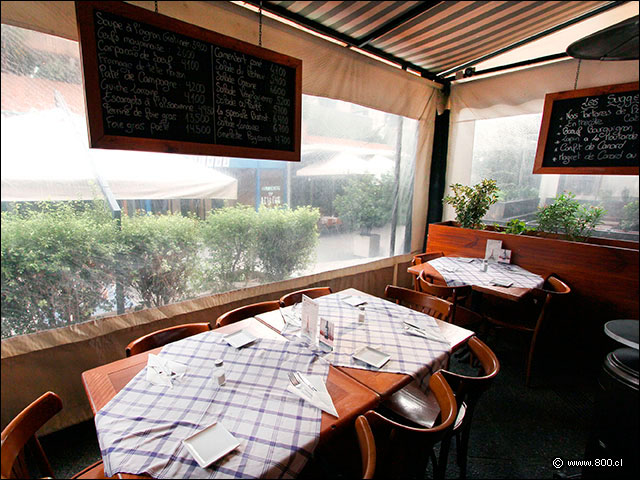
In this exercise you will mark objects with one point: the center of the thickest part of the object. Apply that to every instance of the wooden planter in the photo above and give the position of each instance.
(602, 273)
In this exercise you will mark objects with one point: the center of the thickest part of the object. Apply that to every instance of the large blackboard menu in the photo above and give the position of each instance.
(590, 131)
(154, 83)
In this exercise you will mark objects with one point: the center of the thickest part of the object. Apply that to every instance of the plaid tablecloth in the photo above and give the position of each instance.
(456, 271)
(140, 430)
(383, 329)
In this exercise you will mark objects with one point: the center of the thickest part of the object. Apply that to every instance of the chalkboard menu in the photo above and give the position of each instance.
(590, 131)
(154, 83)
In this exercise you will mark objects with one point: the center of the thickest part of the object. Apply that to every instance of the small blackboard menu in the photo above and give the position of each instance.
(154, 83)
(590, 131)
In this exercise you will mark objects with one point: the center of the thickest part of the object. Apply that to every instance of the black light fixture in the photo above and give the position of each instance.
(617, 42)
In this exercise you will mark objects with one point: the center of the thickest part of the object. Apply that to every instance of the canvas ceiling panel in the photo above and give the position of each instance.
(472, 42)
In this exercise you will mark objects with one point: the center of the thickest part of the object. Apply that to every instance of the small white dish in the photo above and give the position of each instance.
(240, 338)
(371, 356)
(210, 444)
(354, 301)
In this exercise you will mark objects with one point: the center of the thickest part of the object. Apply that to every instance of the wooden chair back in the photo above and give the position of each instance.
(425, 257)
(246, 311)
(296, 297)
(393, 450)
(456, 295)
(21, 433)
(434, 306)
(162, 337)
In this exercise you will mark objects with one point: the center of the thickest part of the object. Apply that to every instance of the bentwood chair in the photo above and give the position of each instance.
(246, 311)
(390, 449)
(423, 258)
(422, 409)
(456, 295)
(160, 338)
(296, 297)
(19, 438)
(434, 306)
(533, 313)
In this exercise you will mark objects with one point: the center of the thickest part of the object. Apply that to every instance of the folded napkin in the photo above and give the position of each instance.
(320, 398)
(354, 301)
(291, 317)
(161, 371)
(421, 328)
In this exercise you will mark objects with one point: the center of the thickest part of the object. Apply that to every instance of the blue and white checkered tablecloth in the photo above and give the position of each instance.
(383, 329)
(457, 271)
(141, 429)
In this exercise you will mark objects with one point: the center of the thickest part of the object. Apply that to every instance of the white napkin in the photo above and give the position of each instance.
(320, 399)
(354, 301)
(420, 327)
(291, 317)
(161, 371)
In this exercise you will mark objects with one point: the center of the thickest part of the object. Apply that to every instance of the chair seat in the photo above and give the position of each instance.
(418, 407)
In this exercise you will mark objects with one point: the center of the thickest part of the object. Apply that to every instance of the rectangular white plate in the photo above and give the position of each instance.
(210, 444)
(464, 259)
(354, 301)
(501, 283)
(372, 356)
(240, 338)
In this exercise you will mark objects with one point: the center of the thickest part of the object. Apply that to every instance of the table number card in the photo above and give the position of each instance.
(505, 256)
(310, 311)
(492, 250)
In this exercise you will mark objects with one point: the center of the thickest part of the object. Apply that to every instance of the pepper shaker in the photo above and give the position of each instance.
(485, 265)
(361, 315)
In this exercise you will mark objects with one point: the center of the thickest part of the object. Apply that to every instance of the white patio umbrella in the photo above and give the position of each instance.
(45, 156)
(348, 163)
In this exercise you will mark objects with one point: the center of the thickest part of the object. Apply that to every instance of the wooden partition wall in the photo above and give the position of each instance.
(603, 278)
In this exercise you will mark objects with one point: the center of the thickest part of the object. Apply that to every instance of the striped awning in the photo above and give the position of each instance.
(436, 38)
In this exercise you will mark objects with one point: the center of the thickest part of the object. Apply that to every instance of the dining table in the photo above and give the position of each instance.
(440, 271)
(122, 401)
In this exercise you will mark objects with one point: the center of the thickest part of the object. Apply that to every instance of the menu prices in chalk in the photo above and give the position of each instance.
(159, 84)
(594, 131)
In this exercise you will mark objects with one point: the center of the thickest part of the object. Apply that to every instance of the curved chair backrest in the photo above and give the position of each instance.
(425, 257)
(400, 450)
(367, 444)
(455, 295)
(434, 306)
(246, 311)
(22, 431)
(296, 297)
(164, 336)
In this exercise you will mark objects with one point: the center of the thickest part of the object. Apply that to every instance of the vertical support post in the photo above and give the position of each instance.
(438, 171)
(396, 188)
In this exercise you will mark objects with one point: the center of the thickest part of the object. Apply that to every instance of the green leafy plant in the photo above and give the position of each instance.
(56, 264)
(366, 203)
(566, 215)
(159, 256)
(629, 220)
(472, 203)
(515, 226)
(285, 239)
(229, 234)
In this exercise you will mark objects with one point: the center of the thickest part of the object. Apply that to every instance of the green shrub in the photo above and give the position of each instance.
(159, 257)
(566, 215)
(229, 234)
(629, 220)
(472, 203)
(515, 226)
(367, 202)
(285, 239)
(56, 260)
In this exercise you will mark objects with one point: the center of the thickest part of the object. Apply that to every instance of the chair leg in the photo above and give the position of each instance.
(440, 469)
(530, 357)
(462, 450)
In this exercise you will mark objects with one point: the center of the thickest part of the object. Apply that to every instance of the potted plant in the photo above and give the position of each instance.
(365, 205)
(567, 216)
(472, 203)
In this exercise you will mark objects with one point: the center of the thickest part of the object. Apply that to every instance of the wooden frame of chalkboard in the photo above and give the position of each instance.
(590, 131)
(154, 83)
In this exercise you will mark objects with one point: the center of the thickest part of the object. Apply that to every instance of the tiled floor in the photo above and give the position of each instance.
(517, 431)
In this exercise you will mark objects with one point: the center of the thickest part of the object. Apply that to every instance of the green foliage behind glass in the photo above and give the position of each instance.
(566, 215)
(629, 220)
(365, 203)
(57, 260)
(472, 203)
(159, 256)
(229, 235)
(285, 240)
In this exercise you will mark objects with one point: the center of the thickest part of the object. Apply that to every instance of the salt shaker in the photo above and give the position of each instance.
(361, 316)
(485, 265)
(219, 372)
